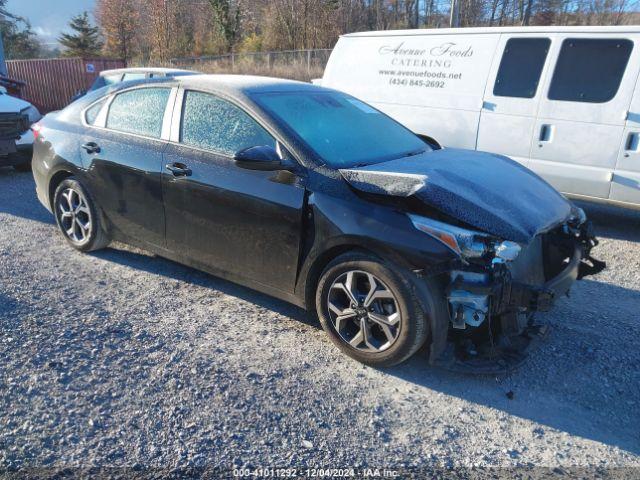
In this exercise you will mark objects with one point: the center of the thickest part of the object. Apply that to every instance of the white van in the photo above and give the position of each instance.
(564, 101)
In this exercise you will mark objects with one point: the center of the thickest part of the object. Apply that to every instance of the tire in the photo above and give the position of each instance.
(374, 342)
(77, 216)
(23, 167)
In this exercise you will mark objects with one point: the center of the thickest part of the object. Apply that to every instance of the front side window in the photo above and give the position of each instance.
(590, 70)
(340, 129)
(521, 66)
(139, 111)
(91, 115)
(211, 123)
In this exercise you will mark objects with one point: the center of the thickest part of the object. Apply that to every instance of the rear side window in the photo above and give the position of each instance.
(214, 124)
(590, 70)
(139, 111)
(91, 115)
(521, 66)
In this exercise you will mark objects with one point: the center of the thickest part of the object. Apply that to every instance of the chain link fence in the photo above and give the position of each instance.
(294, 64)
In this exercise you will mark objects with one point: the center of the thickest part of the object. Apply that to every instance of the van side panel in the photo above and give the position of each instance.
(625, 185)
(512, 96)
(576, 141)
(434, 84)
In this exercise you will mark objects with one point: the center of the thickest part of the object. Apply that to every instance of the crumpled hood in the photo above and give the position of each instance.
(489, 192)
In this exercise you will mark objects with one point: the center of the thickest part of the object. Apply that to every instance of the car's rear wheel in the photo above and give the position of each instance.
(369, 310)
(77, 217)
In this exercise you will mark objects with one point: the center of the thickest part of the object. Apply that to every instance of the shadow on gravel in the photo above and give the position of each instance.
(167, 268)
(18, 196)
(8, 306)
(582, 379)
(613, 222)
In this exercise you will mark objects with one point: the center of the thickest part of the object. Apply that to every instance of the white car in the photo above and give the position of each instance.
(563, 101)
(16, 137)
(113, 77)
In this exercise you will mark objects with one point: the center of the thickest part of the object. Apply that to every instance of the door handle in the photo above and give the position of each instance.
(179, 169)
(546, 134)
(91, 147)
(632, 144)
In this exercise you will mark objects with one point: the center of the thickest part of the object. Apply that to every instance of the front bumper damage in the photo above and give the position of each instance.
(492, 307)
(16, 139)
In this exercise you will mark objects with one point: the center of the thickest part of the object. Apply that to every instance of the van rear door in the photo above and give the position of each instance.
(582, 114)
(512, 95)
(625, 185)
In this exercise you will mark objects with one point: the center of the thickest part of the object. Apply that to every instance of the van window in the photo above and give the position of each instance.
(590, 70)
(521, 66)
(139, 111)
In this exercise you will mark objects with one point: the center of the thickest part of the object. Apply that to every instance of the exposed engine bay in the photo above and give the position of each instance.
(492, 301)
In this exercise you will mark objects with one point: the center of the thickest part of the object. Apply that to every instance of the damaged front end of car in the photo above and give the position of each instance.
(518, 243)
(497, 286)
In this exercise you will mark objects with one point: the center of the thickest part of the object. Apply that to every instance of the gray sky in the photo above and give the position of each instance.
(49, 17)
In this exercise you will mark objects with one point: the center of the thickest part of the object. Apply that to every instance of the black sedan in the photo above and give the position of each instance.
(317, 198)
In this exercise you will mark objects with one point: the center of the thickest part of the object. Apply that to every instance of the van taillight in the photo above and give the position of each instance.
(35, 128)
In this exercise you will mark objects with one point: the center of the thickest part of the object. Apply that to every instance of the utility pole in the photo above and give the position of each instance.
(454, 19)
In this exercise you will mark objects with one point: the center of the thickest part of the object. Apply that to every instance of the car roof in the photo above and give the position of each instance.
(116, 71)
(245, 84)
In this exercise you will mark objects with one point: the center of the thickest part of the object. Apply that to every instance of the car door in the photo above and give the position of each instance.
(244, 223)
(581, 118)
(625, 185)
(122, 153)
(512, 95)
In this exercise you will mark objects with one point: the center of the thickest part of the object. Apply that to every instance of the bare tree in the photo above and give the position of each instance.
(160, 29)
(119, 23)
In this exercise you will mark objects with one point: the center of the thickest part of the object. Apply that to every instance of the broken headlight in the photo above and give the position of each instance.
(466, 243)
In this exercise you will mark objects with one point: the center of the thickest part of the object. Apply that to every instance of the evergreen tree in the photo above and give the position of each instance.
(84, 42)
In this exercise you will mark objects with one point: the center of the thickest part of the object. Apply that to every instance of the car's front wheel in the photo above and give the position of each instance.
(370, 311)
(77, 217)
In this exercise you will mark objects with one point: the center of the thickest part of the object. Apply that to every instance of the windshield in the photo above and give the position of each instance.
(342, 130)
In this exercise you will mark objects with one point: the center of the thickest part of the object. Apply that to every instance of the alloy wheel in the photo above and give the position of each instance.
(74, 215)
(364, 311)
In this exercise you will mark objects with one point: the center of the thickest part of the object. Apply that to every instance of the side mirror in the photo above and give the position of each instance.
(259, 158)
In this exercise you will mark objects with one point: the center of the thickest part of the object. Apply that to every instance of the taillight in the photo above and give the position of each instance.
(35, 128)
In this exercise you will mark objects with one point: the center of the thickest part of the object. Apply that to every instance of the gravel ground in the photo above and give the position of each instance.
(122, 359)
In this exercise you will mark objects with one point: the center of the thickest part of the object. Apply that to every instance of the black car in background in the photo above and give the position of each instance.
(317, 198)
